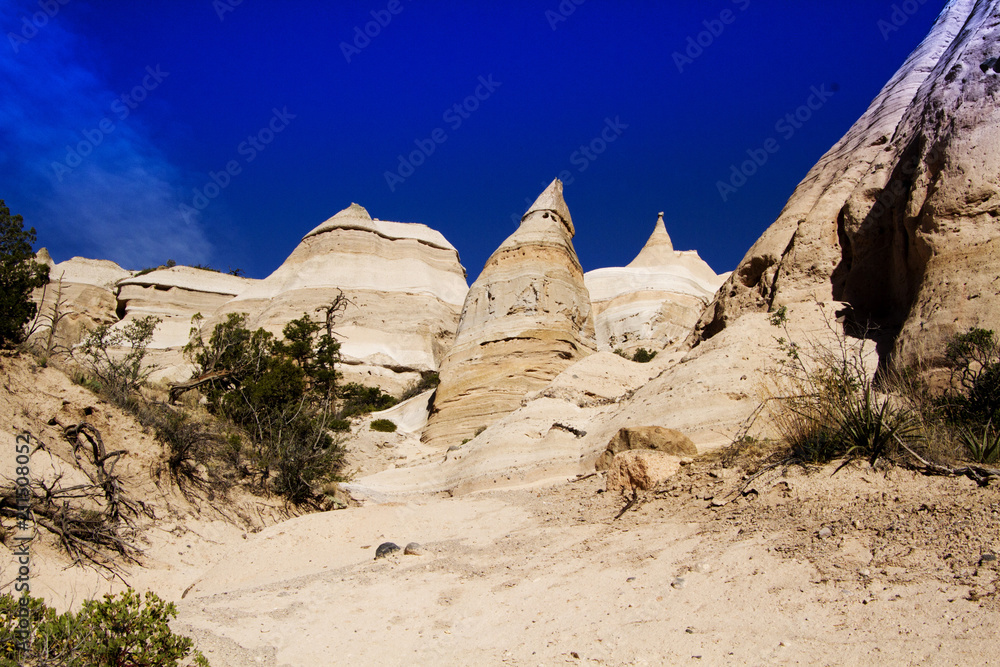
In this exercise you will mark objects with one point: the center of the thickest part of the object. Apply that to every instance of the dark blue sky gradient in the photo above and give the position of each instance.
(558, 88)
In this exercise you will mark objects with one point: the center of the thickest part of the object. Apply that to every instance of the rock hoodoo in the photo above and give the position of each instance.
(85, 289)
(404, 282)
(655, 301)
(174, 295)
(901, 218)
(526, 318)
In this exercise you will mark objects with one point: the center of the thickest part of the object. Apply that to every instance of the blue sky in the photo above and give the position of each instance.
(220, 132)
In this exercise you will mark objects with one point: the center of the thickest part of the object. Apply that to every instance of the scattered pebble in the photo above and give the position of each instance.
(703, 568)
(825, 532)
(386, 549)
(630, 579)
(414, 549)
(679, 583)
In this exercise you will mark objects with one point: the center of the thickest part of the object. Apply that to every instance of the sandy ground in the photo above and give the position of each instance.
(547, 575)
(792, 567)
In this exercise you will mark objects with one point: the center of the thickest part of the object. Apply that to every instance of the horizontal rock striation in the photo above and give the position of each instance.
(655, 301)
(405, 287)
(525, 319)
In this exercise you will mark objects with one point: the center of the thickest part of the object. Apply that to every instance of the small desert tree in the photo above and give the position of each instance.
(280, 393)
(19, 275)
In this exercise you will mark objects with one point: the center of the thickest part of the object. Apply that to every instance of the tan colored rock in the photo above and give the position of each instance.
(175, 295)
(85, 290)
(655, 301)
(657, 438)
(525, 319)
(640, 470)
(901, 218)
(404, 282)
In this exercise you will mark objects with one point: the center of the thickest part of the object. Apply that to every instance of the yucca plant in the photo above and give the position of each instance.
(869, 424)
(983, 447)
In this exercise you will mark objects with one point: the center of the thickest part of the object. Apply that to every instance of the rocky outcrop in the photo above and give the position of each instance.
(901, 218)
(640, 470)
(657, 438)
(405, 287)
(175, 295)
(655, 301)
(526, 318)
(85, 291)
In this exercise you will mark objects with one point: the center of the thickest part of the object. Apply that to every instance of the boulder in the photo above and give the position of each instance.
(655, 301)
(640, 470)
(525, 319)
(657, 438)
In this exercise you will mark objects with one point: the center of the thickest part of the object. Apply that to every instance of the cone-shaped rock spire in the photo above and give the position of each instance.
(659, 249)
(525, 319)
(653, 302)
(552, 200)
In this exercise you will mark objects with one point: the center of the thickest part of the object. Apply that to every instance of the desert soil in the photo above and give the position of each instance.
(717, 567)
(800, 567)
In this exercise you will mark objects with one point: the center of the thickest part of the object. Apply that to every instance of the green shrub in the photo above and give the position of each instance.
(643, 356)
(827, 406)
(119, 373)
(339, 425)
(117, 631)
(428, 380)
(383, 426)
(20, 274)
(974, 360)
(982, 446)
(280, 393)
(360, 400)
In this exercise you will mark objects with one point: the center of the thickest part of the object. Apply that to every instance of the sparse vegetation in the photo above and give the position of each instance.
(116, 631)
(119, 374)
(826, 405)
(383, 426)
(357, 399)
(428, 380)
(20, 274)
(642, 355)
(280, 393)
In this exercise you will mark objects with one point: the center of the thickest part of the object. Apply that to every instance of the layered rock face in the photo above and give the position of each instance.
(901, 218)
(175, 295)
(85, 289)
(405, 287)
(655, 301)
(526, 318)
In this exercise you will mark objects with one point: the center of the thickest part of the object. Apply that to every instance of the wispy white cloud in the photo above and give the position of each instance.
(79, 165)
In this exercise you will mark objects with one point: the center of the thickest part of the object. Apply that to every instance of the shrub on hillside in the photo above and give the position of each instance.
(383, 426)
(280, 393)
(20, 274)
(115, 631)
(115, 356)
